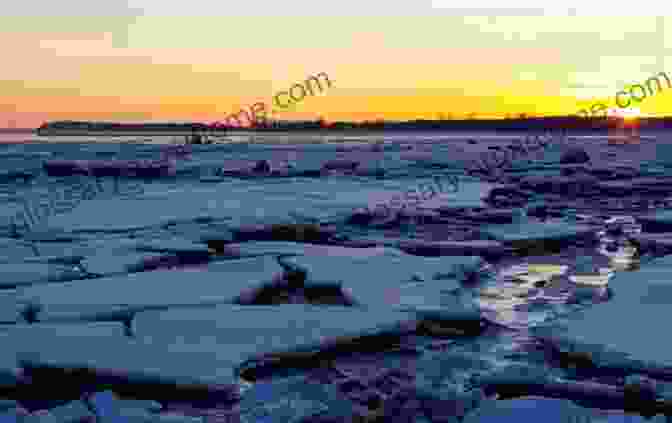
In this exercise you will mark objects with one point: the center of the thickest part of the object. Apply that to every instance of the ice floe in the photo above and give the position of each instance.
(104, 298)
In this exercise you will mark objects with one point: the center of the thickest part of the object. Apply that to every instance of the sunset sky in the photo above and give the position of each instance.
(199, 60)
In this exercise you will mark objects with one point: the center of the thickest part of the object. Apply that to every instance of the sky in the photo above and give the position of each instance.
(200, 60)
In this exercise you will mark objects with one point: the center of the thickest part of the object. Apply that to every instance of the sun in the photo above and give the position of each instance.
(627, 114)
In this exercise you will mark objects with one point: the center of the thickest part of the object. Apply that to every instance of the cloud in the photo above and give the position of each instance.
(64, 8)
(341, 7)
(280, 8)
(553, 8)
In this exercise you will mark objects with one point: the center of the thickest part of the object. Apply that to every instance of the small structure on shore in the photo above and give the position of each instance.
(197, 138)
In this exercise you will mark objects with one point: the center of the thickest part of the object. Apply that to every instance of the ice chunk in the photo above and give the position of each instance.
(261, 330)
(94, 298)
(368, 279)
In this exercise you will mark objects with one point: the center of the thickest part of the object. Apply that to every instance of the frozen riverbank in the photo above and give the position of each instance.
(251, 293)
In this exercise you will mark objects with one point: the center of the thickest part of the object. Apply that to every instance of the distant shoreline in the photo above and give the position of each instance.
(563, 124)
(351, 132)
(75, 133)
(17, 131)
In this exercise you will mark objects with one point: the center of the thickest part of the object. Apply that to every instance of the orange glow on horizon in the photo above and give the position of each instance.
(157, 66)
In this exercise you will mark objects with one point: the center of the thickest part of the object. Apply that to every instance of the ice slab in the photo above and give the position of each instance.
(396, 265)
(10, 308)
(441, 312)
(277, 248)
(13, 250)
(470, 195)
(156, 210)
(130, 255)
(119, 295)
(484, 248)
(172, 246)
(641, 301)
(260, 330)
(110, 262)
(324, 200)
(377, 279)
(123, 168)
(23, 274)
(536, 231)
(35, 337)
(102, 350)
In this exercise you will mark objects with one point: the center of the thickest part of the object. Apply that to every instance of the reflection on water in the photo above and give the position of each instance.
(525, 295)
